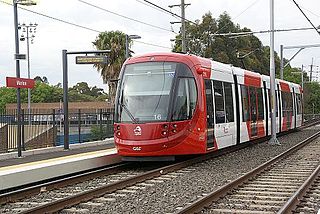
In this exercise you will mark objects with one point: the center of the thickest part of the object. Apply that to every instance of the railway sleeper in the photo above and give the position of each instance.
(250, 206)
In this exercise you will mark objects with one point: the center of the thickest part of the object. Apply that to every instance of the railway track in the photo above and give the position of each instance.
(307, 198)
(272, 187)
(106, 184)
(310, 202)
(61, 188)
(119, 188)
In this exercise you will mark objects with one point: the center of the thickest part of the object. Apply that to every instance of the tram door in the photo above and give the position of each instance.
(210, 115)
(253, 111)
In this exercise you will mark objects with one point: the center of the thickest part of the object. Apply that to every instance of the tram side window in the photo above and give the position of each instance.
(286, 103)
(185, 100)
(260, 104)
(299, 103)
(193, 96)
(245, 103)
(228, 102)
(269, 102)
(219, 102)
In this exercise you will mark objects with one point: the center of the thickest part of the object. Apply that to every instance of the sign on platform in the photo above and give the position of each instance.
(14, 82)
(20, 56)
(91, 59)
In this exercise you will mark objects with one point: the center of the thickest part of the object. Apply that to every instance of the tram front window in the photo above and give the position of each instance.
(145, 92)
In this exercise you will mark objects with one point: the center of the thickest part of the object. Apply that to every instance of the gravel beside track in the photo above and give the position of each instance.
(171, 192)
(49, 196)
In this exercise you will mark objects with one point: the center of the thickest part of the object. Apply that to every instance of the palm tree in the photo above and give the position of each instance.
(115, 41)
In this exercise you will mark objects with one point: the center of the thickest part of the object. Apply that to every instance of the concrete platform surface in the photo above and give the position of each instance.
(54, 162)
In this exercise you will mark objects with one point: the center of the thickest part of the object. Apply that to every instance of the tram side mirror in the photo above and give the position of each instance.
(200, 70)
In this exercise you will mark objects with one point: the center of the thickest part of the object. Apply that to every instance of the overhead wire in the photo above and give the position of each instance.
(167, 11)
(51, 17)
(74, 24)
(125, 17)
(310, 11)
(260, 32)
(153, 7)
(306, 17)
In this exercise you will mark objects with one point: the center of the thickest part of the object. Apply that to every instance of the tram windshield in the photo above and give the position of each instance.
(145, 92)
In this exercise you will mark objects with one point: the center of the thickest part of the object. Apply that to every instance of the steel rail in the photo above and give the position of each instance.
(29, 191)
(294, 201)
(206, 201)
(109, 188)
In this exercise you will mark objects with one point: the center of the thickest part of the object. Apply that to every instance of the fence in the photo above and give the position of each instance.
(46, 128)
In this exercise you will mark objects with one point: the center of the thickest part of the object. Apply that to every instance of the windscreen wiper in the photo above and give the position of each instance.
(134, 120)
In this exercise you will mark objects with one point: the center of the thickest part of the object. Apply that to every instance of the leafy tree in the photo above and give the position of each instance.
(83, 88)
(7, 95)
(115, 42)
(294, 75)
(45, 93)
(311, 97)
(202, 41)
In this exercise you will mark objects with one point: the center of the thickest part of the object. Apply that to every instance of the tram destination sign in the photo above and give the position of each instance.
(13, 82)
(91, 59)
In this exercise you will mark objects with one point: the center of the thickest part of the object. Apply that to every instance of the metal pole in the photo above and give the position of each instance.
(15, 13)
(302, 77)
(313, 110)
(65, 99)
(22, 131)
(127, 46)
(302, 97)
(311, 66)
(281, 62)
(101, 128)
(183, 26)
(29, 90)
(273, 139)
(79, 125)
(54, 126)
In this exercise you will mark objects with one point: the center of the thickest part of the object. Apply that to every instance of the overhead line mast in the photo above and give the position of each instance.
(183, 24)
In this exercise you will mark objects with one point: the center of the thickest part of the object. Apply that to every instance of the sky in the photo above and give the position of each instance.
(53, 36)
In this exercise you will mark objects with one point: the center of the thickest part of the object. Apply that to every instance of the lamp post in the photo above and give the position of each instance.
(16, 36)
(31, 28)
(128, 37)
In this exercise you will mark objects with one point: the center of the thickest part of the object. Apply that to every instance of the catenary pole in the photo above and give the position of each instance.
(281, 62)
(183, 26)
(273, 139)
(65, 99)
(311, 67)
(16, 34)
(127, 46)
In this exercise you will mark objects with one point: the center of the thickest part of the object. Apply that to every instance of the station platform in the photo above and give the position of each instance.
(43, 164)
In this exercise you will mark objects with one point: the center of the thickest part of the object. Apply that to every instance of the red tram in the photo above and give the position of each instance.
(178, 104)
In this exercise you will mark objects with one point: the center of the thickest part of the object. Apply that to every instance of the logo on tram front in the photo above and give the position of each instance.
(137, 131)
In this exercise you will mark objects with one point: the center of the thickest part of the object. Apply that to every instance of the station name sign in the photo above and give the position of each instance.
(91, 59)
(13, 82)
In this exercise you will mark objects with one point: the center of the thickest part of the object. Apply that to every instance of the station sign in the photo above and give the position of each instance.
(91, 59)
(13, 82)
(20, 56)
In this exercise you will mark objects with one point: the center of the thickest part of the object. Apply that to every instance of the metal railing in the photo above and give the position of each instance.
(46, 128)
